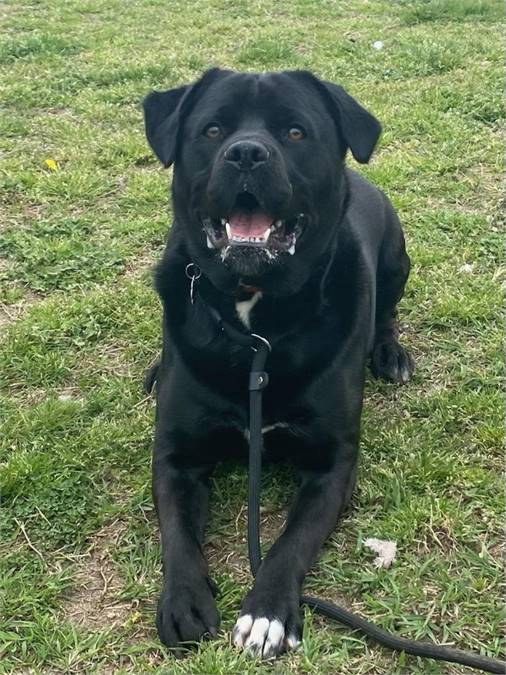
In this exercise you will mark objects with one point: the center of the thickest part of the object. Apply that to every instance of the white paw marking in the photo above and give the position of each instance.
(241, 630)
(292, 643)
(244, 308)
(274, 640)
(262, 637)
(258, 636)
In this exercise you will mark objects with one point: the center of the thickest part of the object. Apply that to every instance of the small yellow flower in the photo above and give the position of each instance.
(51, 164)
(132, 619)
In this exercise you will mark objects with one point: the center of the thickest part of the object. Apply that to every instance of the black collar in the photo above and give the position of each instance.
(194, 273)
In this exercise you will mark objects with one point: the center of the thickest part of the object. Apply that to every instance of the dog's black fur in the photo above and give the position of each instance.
(326, 310)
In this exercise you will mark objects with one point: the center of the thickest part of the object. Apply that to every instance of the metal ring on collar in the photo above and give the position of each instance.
(196, 272)
(262, 339)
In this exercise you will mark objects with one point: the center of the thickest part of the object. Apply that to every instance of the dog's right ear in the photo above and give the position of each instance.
(161, 121)
(164, 112)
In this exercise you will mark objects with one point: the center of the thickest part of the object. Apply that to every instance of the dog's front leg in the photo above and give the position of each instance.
(270, 620)
(186, 608)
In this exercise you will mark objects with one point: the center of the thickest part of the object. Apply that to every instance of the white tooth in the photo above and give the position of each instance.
(266, 234)
(209, 242)
(223, 221)
(228, 229)
(291, 250)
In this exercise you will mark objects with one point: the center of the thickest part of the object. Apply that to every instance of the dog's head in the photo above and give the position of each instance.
(258, 170)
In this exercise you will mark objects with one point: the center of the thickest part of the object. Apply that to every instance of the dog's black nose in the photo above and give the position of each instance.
(246, 155)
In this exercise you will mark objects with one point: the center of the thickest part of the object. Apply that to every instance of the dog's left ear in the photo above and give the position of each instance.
(359, 129)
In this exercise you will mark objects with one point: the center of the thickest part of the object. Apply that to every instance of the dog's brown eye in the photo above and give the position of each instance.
(212, 131)
(296, 134)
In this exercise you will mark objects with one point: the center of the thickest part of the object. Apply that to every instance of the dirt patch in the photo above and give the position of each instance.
(111, 359)
(6, 316)
(11, 313)
(230, 552)
(143, 263)
(94, 603)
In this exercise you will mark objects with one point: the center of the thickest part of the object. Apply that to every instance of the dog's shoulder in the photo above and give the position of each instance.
(369, 213)
(169, 273)
(365, 198)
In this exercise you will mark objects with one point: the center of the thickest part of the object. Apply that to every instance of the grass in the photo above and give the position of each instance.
(79, 323)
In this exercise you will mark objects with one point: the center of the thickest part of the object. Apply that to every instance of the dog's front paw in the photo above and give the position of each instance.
(186, 611)
(269, 624)
(392, 362)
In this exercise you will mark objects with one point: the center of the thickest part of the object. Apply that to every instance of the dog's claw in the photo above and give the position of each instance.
(391, 362)
(187, 613)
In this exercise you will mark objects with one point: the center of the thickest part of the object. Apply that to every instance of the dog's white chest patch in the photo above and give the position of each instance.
(276, 425)
(269, 427)
(244, 308)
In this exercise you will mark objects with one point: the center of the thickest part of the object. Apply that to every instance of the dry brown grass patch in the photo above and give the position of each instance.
(94, 604)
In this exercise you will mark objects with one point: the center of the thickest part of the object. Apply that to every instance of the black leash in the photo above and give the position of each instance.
(258, 380)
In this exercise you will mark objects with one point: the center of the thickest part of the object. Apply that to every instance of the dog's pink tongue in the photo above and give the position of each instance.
(245, 224)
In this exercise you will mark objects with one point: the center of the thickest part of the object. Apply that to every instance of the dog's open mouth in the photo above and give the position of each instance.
(249, 224)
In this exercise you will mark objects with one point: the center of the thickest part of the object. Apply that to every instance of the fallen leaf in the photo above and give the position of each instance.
(386, 551)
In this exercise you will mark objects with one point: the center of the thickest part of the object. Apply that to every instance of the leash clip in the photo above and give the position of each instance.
(193, 273)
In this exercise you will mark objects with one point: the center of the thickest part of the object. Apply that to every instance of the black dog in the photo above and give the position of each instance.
(280, 239)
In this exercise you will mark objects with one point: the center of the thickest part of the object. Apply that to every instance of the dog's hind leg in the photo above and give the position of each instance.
(390, 360)
(149, 379)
